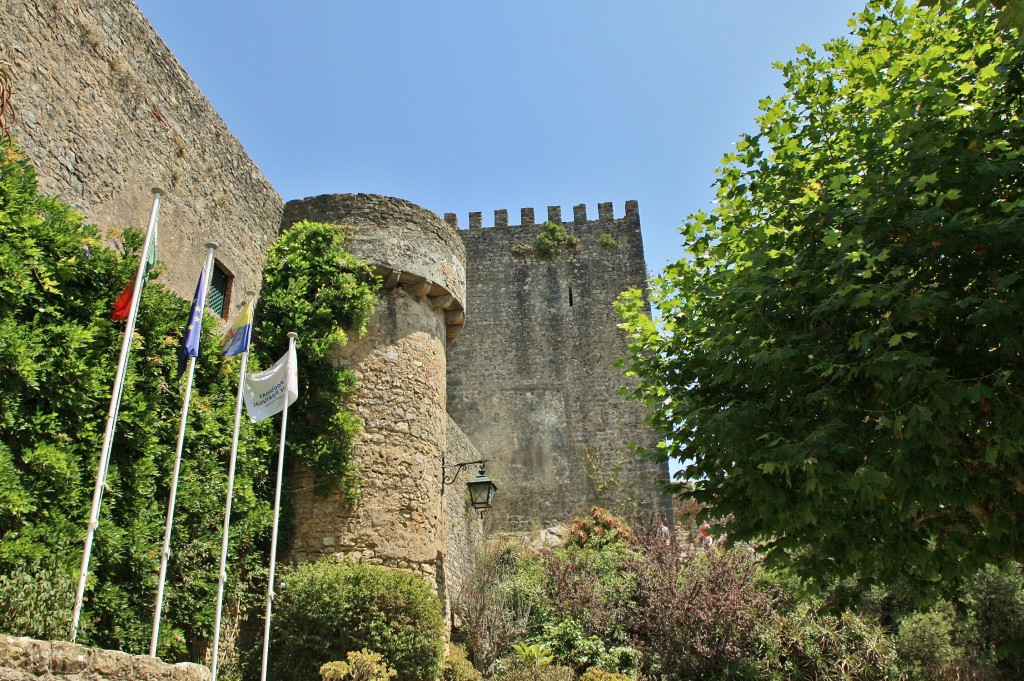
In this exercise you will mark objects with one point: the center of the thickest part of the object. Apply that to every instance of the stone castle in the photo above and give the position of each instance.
(477, 349)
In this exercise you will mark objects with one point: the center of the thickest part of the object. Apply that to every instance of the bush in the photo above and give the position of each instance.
(503, 602)
(701, 621)
(806, 645)
(314, 286)
(58, 283)
(37, 602)
(995, 599)
(523, 672)
(327, 609)
(458, 668)
(925, 644)
(363, 665)
(553, 239)
(522, 249)
(595, 674)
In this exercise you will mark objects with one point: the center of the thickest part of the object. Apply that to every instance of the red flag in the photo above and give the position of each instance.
(123, 304)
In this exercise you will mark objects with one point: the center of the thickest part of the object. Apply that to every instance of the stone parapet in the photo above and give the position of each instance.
(26, 659)
(410, 246)
(605, 217)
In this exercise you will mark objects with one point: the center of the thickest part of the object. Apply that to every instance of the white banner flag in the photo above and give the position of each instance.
(265, 393)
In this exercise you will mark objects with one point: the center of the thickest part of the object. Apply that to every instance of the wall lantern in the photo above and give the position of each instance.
(481, 488)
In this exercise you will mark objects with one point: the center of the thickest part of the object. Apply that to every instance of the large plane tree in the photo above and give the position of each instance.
(838, 360)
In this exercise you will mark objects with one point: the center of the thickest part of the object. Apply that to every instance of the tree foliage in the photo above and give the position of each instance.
(839, 363)
(58, 354)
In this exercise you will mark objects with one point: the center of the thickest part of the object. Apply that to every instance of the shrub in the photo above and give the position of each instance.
(37, 602)
(533, 654)
(925, 644)
(995, 599)
(522, 249)
(504, 601)
(458, 668)
(806, 645)
(363, 665)
(534, 673)
(596, 674)
(58, 283)
(608, 241)
(327, 609)
(702, 621)
(553, 239)
(314, 286)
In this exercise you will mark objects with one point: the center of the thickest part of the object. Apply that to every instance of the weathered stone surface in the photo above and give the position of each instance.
(393, 233)
(145, 668)
(113, 665)
(25, 659)
(25, 654)
(105, 113)
(531, 381)
(67, 658)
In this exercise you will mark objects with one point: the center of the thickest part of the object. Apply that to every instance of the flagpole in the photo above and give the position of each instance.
(277, 513)
(165, 553)
(115, 405)
(223, 575)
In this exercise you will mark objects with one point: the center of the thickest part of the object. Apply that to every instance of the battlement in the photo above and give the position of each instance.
(527, 216)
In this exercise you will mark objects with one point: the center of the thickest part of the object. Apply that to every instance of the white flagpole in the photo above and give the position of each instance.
(223, 575)
(277, 512)
(165, 554)
(115, 405)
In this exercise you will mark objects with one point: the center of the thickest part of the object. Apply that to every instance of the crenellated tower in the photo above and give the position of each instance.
(532, 382)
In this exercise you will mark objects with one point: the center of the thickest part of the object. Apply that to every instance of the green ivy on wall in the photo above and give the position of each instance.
(313, 286)
(58, 354)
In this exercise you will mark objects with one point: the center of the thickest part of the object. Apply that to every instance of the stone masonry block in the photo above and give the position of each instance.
(68, 658)
(146, 668)
(111, 665)
(25, 654)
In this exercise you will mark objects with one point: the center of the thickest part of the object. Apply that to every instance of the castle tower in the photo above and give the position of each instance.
(531, 382)
(400, 366)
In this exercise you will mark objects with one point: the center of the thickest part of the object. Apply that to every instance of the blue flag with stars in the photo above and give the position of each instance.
(190, 341)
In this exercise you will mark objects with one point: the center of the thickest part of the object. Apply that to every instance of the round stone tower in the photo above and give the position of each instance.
(400, 367)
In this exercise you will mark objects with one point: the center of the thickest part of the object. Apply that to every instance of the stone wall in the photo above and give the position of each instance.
(105, 113)
(531, 380)
(464, 528)
(25, 659)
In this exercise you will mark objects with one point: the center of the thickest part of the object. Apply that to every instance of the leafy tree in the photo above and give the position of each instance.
(839, 364)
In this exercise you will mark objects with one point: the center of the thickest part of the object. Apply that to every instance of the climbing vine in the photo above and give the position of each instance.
(313, 286)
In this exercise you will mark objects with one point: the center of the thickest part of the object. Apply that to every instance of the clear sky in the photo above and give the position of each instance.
(477, 105)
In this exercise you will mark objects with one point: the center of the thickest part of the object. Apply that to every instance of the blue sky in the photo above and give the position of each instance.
(479, 105)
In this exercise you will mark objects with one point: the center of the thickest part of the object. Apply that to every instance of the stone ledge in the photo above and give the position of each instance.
(25, 659)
